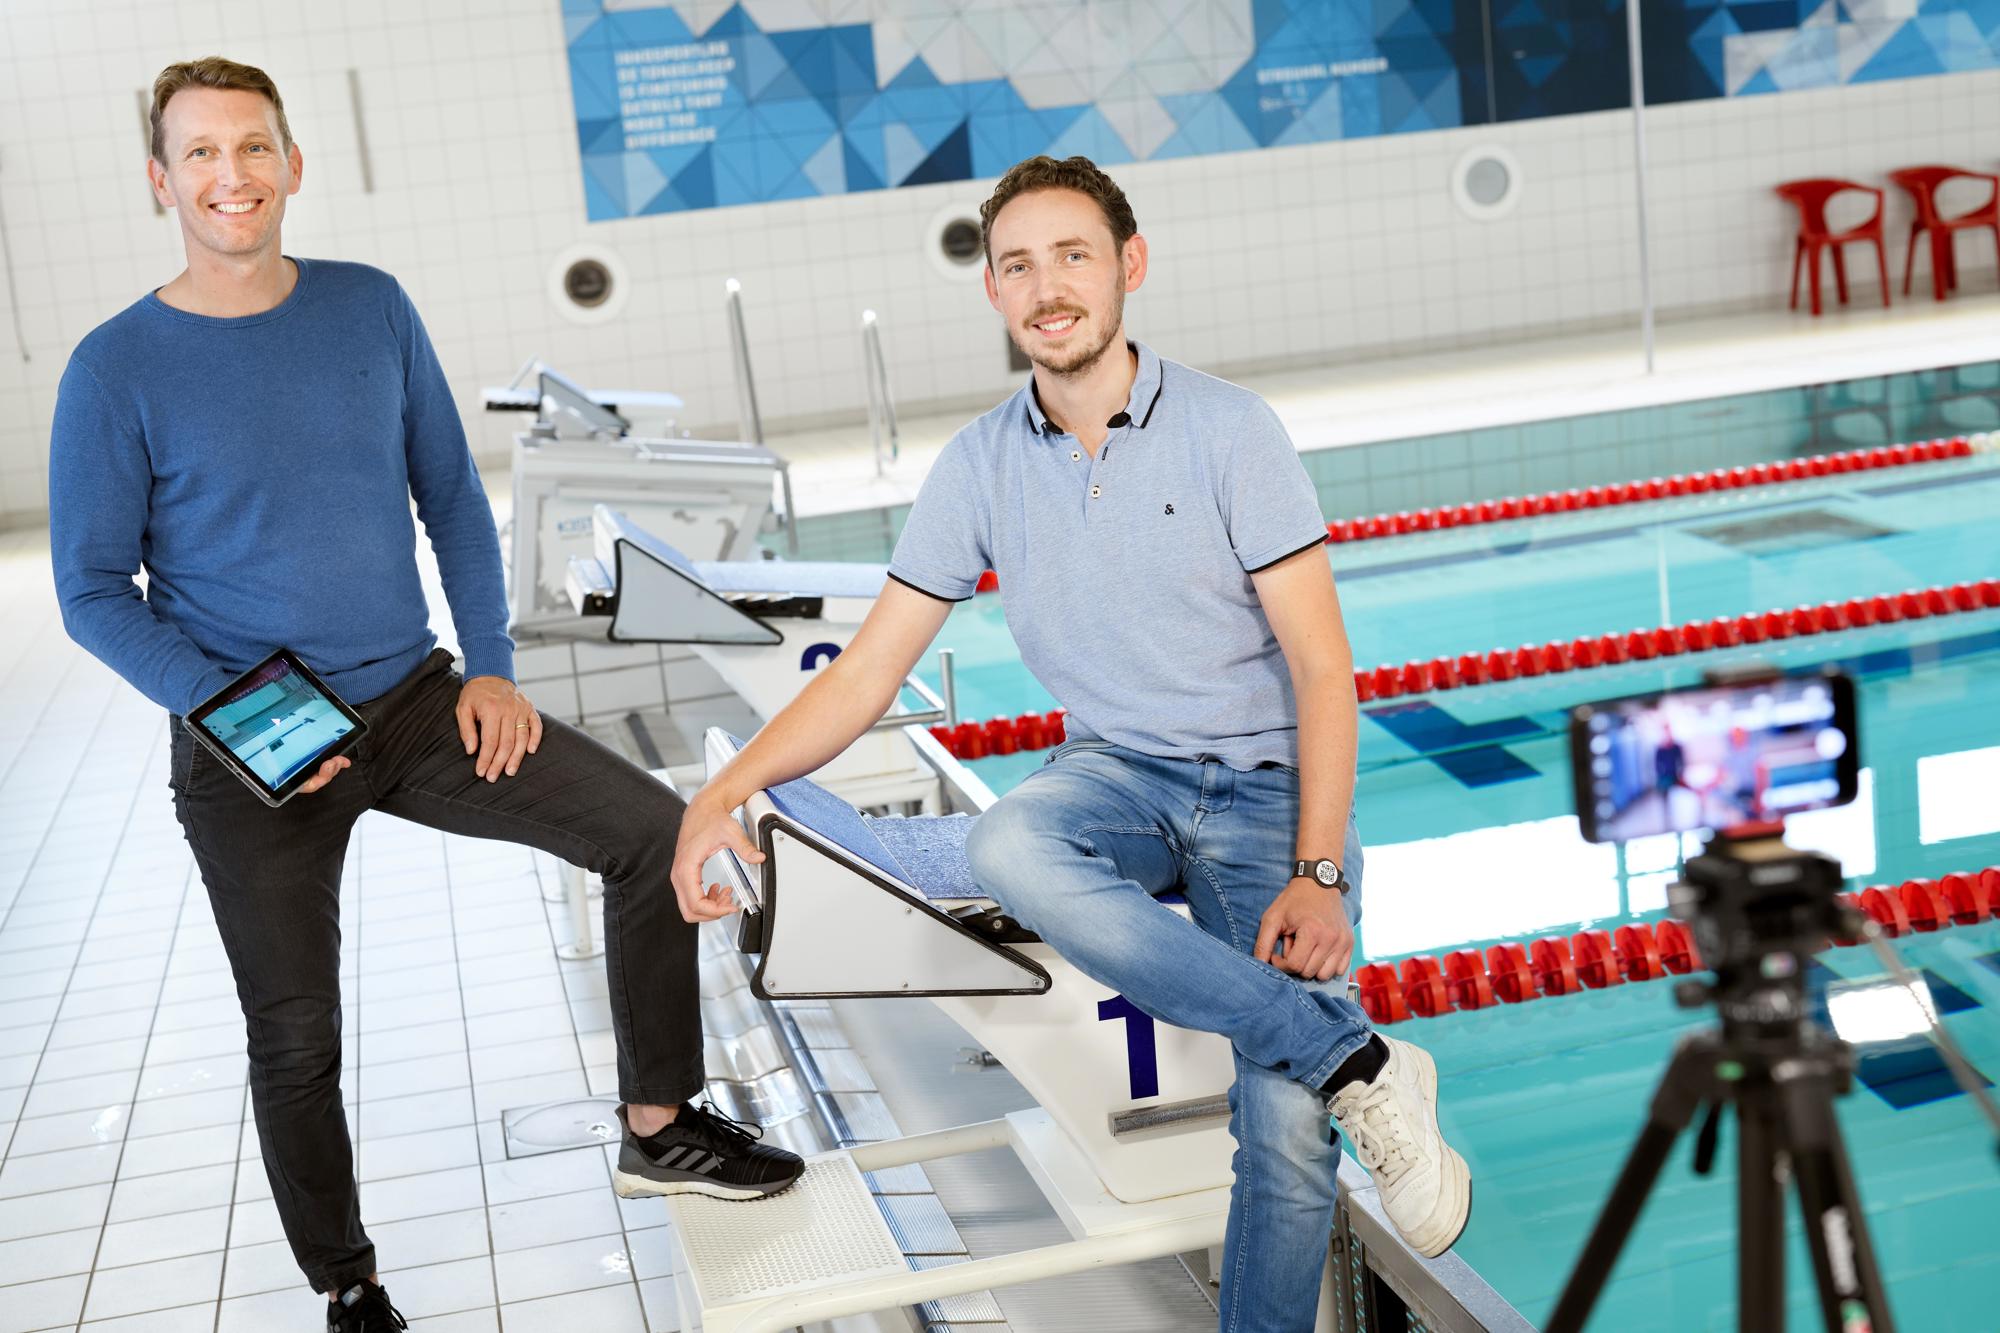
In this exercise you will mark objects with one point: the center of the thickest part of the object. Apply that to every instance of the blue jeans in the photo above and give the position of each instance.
(1077, 853)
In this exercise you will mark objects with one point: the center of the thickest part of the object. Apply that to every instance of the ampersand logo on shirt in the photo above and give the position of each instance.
(1170, 509)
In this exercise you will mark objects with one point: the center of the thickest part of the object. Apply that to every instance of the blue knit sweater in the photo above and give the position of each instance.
(260, 470)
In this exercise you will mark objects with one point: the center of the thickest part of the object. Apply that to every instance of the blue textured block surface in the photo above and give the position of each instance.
(932, 849)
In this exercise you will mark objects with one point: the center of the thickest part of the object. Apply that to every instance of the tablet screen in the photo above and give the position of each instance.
(276, 721)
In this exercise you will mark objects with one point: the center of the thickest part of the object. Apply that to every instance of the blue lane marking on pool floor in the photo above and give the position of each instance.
(1469, 752)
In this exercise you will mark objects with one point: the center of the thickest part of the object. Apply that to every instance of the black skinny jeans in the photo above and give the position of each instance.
(274, 878)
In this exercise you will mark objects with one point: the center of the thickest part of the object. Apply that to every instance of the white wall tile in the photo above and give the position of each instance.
(1297, 255)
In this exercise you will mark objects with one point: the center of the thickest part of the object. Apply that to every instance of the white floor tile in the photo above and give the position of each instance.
(547, 1173)
(412, 1115)
(268, 1266)
(547, 1055)
(439, 1238)
(151, 1286)
(58, 1170)
(411, 1154)
(58, 1210)
(32, 1305)
(165, 1237)
(104, 1058)
(662, 1304)
(54, 1255)
(465, 1321)
(72, 1129)
(190, 1110)
(180, 1319)
(297, 1310)
(573, 1265)
(182, 1151)
(421, 1195)
(207, 1073)
(652, 1251)
(604, 1310)
(526, 1223)
(253, 1222)
(489, 1100)
(464, 1284)
(199, 1187)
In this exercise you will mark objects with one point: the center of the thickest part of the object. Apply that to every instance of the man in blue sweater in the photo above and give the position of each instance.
(251, 434)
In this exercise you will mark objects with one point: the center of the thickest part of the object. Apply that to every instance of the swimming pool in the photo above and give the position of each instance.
(1588, 450)
(1464, 801)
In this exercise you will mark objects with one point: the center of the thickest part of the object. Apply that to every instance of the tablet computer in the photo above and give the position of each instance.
(274, 725)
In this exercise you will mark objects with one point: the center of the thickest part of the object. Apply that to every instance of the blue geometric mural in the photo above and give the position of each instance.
(704, 104)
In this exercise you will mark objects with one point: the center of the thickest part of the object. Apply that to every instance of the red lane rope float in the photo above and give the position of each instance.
(1638, 953)
(1554, 969)
(1547, 659)
(1466, 981)
(1424, 988)
(1374, 526)
(1507, 966)
(1596, 963)
(1509, 973)
(1381, 993)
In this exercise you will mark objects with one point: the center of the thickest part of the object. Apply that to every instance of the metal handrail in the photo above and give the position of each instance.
(749, 422)
(875, 375)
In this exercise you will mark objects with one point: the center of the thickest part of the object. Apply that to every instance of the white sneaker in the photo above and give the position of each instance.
(1392, 1125)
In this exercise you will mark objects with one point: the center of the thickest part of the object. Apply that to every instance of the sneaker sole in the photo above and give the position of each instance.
(1447, 1221)
(629, 1186)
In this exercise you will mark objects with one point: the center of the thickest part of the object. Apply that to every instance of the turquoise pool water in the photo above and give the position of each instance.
(1464, 803)
(1588, 450)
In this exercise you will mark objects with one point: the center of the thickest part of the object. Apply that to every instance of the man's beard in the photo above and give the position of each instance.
(1072, 362)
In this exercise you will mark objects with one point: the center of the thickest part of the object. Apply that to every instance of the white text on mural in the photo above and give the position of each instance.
(664, 91)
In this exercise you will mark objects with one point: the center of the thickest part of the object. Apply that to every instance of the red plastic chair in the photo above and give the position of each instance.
(1922, 184)
(1814, 236)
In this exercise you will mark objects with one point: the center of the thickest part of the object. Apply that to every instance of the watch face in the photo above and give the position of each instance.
(1326, 872)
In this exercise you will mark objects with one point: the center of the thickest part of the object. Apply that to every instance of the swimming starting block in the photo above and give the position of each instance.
(1132, 1154)
(764, 626)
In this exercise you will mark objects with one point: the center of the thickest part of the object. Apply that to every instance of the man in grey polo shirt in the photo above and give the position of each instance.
(1156, 539)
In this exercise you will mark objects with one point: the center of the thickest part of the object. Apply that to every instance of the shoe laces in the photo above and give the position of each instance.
(1378, 1129)
(370, 1313)
(725, 1131)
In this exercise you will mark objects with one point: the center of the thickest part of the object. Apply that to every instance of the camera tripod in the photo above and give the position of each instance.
(1781, 1074)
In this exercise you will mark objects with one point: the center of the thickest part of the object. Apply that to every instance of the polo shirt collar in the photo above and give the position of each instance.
(1139, 407)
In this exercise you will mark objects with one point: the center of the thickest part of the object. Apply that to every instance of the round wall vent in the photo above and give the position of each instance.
(588, 284)
(1486, 183)
(953, 242)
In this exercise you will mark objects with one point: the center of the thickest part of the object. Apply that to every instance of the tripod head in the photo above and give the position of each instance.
(1758, 909)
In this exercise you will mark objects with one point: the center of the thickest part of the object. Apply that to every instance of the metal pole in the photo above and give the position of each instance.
(1632, 54)
(360, 132)
(749, 422)
(949, 687)
(881, 407)
(868, 387)
(584, 941)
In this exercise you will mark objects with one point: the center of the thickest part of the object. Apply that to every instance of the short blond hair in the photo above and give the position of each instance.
(212, 72)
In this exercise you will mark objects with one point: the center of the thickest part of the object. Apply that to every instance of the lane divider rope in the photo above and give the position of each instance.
(1427, 986)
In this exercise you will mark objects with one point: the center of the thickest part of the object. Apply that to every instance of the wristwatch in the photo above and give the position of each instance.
(1322, 872)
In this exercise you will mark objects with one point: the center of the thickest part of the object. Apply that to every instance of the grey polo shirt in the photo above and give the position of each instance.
(1125, 578)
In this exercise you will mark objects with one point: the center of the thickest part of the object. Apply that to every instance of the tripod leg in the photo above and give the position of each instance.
(1760, 1215)
(1851, 1294)
(1683, 1088)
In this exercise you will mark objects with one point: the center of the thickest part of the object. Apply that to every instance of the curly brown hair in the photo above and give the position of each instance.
(212, 72)
(1072, 173)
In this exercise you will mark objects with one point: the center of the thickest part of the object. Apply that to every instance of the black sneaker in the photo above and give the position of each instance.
(703, 1152)
(363, 1308)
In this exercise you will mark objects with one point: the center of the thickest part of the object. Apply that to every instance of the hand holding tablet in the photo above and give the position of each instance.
(275, 726)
